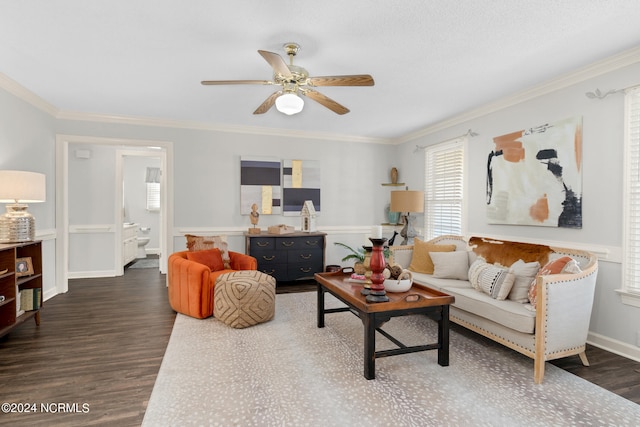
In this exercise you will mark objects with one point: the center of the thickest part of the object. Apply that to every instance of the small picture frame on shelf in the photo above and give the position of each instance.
(24, 267)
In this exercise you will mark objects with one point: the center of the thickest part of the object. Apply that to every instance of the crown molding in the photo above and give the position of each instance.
(26, 95)
(613, 63)
(193, 125)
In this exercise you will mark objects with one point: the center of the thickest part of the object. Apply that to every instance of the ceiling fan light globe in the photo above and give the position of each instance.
(289, 104)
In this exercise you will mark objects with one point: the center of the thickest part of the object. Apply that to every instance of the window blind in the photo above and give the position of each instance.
(153, 196)
(444, 189)
(631, 269)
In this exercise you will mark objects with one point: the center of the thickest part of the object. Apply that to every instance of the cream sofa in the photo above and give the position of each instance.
(555, 328)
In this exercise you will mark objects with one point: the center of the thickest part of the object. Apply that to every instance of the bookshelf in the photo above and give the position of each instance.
(12, 282)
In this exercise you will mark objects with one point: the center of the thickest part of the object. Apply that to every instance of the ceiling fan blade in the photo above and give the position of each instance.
(326, 101)
(236, 82)
(268, 103)
(353, 80)
(276, 62)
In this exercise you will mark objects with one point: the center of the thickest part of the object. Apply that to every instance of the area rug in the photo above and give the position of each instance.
(146, 263)
(288, 372)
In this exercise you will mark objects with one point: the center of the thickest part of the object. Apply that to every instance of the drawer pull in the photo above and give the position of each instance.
(262, 244)
(287, 244)
(306, 270)
(268, 258)
(270, 272)
(312, 242)
(305, 256)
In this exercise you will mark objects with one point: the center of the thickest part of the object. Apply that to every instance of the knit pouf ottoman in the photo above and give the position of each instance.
(244, 298)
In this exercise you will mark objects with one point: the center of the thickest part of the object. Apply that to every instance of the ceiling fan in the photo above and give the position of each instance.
(294, 80)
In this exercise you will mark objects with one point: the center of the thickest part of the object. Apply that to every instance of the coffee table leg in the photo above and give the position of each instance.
(369, 324)
(443, 337)
(320, 306)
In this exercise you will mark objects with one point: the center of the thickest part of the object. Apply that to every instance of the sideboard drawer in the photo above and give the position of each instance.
(288, 243)
(262, 243)
(303, 270)
(303, 255)
(270, 257)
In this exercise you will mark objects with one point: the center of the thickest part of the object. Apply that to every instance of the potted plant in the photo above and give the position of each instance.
(360, 257)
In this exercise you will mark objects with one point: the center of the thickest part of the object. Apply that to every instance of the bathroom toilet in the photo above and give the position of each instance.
(142, 241)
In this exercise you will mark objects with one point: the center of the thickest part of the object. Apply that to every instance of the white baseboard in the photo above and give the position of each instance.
(49, 294)
(614, 346)
(91, 274)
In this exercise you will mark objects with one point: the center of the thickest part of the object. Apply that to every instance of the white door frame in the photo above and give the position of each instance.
(62, 200)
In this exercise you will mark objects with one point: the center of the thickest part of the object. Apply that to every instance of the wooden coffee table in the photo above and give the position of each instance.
(418, 300)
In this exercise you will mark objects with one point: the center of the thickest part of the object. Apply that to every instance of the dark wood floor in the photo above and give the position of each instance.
(101, 344)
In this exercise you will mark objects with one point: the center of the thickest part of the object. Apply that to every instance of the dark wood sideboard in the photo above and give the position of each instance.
(288, 257)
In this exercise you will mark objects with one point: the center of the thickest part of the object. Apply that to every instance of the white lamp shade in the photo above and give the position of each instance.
(289, 104)
(21, 186)
(407, 201)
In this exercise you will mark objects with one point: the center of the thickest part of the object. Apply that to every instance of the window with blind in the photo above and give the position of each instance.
(153, 196)
(631, 266)
(152, 180)
(444, 188)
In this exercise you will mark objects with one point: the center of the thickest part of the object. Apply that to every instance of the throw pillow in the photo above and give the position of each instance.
(491, 279)
(420, 260)
(199, 243)
(524, 273)
(212, 258)
(474, 272)
(562, 265)
(450, 265)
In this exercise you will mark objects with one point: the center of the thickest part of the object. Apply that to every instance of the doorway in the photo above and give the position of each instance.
(100, 239)
(140, 178)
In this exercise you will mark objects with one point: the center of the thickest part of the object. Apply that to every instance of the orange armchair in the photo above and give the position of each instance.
(191, 283)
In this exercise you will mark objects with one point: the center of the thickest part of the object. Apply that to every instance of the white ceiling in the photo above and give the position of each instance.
(431, 59)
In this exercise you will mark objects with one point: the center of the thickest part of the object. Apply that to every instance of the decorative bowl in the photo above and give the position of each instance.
(397, 285)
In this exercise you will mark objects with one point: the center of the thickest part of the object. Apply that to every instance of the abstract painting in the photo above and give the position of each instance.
(300, 182)
(534, 176)
(260, 184)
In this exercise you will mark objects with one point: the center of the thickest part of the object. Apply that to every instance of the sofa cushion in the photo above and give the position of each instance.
(491, 279)
(564, 264)
(450, 265)
(507, 313)
(212, 258)
(438, 284)
(524, 273)
(199, 243)
(421, 261)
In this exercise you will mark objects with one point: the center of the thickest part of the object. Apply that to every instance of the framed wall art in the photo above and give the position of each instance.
(534, 176)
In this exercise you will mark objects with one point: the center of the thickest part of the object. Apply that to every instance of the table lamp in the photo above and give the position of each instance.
(407, 201)
(18, 188)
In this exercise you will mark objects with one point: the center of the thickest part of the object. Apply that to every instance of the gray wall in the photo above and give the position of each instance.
(27, 142)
